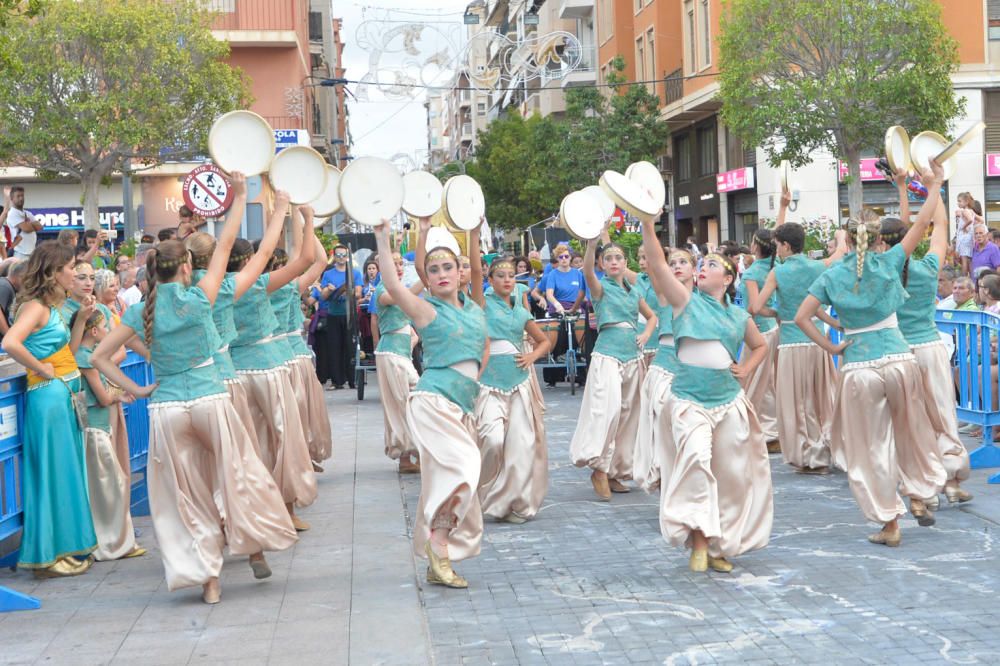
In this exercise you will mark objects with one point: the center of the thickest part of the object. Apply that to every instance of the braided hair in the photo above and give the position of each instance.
(162, 265)
(863, 232)
(766, 247)
(892, 232)
(240, 255)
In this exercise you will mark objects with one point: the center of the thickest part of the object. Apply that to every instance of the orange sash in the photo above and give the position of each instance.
(63, 363)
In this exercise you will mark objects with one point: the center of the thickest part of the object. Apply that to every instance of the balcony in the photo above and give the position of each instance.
(585, 73)
(255, 22)
(285, 122)
(674, 84)
(466, 132)
(576, 9)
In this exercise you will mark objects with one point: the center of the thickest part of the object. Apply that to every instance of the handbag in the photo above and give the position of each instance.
(321, 323)
(79, 401)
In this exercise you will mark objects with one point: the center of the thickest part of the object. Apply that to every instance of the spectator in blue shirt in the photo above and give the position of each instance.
(334, 345)
(368, 286)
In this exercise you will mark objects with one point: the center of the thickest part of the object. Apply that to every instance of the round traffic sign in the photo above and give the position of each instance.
(207, 191)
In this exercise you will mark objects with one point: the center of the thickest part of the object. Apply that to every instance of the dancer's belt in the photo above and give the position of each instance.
(888, 322)
(270, 338)
(223, 349)
(63, 363)
(619, 324)
(666, 341)
(503, 348)
(402, 330)
(791, 322)
(468, 368)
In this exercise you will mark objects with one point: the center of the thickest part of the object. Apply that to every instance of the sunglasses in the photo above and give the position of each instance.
(340, 255)
(563, 256)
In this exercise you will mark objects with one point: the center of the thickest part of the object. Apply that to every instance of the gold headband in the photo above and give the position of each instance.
(173, 263)
(728, 264)
(443, 253)
(502, 263)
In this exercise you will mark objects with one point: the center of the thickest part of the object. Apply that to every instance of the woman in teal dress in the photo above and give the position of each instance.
(509, 417)
(716, 487)
(880, 423)
(207, 487)
(57, 519)
(645, 289)
(439, 415)
(604, 439)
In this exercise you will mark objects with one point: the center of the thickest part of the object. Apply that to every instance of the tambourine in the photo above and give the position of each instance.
(897, 149)
(928, 145)
(580, 214)
(463, 202)
(328, 202)
(300, 171)
(422, 194)
(241, 141)
(630, 196)
(371, 190)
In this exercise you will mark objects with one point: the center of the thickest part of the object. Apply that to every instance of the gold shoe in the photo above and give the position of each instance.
(616, 486)
(699, 560)
(138, 551)
(514, 519)
(260, 567)
(774, 446)
(720, 564)
(300, 525)
(60, 569)
(891, 539)
(924, 516)
(599, 480)
(211, 592)
(439, 571)
(955, 493)
(817, 471)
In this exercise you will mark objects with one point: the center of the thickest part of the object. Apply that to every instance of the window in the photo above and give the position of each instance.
(651, 60)
(735, 155)
(682, 152)
(706, 35)
(481, 108)
(993, 18)
(690, 35)
(605, 20)
(992, 118)
(638, 6)
(707, 152)
(640, 61)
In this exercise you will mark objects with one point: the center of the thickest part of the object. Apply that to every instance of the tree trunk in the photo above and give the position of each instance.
(855, 193)
(90, 182)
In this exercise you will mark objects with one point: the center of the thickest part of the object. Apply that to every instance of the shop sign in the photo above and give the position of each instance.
(57, 219)
(993, 164)
(869, 172)
(286, 138)
(737, 179)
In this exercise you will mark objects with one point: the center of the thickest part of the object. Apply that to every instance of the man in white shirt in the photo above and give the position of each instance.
(134, 294)
(24, 227)
(946, 280)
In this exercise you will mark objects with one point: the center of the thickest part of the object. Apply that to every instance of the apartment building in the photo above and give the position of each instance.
(719, 188)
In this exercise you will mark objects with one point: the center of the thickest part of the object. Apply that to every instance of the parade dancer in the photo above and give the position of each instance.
(439, 414)
(806, 378)
(654, 435)
(645, 288)
(759, 387)
(716, 494)
(916, 322)
(880, 423)
(261, 360)
(509, 417)
(605, 433)
(207, 487)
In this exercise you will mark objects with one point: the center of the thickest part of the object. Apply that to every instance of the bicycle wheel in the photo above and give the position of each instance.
(359, 381)
(571, 370)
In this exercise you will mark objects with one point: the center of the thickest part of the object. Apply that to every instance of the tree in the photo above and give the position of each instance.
(526, 166)
(90, 85)
(801, 75)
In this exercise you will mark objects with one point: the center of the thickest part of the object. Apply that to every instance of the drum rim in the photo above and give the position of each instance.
(440, 191)
(919, 140)
(461, 178)
(568, 225)
(303, 150)
(345, 202)
(242, 113)
(332, 176)
(622, 201)
(890, 134)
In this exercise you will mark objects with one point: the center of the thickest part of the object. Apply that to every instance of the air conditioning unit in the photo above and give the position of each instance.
(665, 163)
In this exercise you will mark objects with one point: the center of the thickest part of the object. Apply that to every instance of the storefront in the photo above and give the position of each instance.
(695, 195)
(991, 206)
(878, 194)
(740, 188)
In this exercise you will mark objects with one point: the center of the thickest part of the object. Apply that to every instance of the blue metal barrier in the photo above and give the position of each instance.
(12, 391)
(973, 332)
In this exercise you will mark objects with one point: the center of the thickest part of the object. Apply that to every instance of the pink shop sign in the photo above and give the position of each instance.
(737, 179)
(993, 164)
(868, 170)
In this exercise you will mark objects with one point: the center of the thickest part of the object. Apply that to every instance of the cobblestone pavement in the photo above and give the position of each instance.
(589, 582)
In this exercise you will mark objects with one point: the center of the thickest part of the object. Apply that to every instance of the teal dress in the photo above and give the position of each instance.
(455, 335)
(97, 416)
(757, 273)
(646, 292)
(184, 343)
(391, 318)
(879, 295)
(225, 326)
(70, 308)
(916, 315)
(281, 300)
(705, 318)
(617, 305)
(255, 347)
(666, 355)
(57, 519)
(793, 276)
(505, 320)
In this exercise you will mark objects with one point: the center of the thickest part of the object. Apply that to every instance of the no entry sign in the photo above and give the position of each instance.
(207, 191)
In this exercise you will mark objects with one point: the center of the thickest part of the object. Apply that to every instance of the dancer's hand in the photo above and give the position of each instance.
(838, 350)
(525, 361)
(144, 391)
(739, 371)
(48, 371)
(642, 339)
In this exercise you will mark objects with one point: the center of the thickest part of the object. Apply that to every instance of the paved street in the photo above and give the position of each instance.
(585, 583)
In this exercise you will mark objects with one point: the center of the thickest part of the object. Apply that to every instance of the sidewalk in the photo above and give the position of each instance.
(344, 594)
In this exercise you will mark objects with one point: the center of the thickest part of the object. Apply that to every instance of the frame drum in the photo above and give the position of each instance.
(927, 145)
(607, 206)
(649, 178)
(422, 194)
(463, 202)
(371, 190)
(241, 141)
(897, 148)
(629, 195)
(300, 171)
(580, 214)
(328, 202)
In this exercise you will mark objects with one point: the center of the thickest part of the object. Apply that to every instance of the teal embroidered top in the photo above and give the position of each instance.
(666, 355)
(391, 318)
(255, 322)
(646, 292)
(184, 343)
(615, 306)
(454, 335)
(505, 320)
(879, 295)
(793, 276)
(705, 318)
(97, 416)
(916, 315)
(222, 317)
(757, 273)
(294, 319)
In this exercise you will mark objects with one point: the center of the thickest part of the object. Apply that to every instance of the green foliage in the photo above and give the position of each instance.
(328, 240)
(526, 166)
(88, 85)
(127, 248)
(801, 75)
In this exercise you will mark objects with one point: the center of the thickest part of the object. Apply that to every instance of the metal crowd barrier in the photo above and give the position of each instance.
(12, 426)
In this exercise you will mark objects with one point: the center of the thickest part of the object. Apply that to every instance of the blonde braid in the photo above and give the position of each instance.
(149, 307)
(862, 247)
